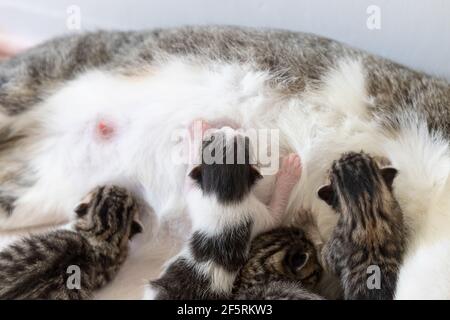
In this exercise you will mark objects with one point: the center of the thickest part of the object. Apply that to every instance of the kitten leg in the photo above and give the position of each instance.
(10, 46)
(287, 177)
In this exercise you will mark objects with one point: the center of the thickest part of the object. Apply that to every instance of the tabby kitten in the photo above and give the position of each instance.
(370, 234)
(283, 265)
(226, 215)
(38, 267)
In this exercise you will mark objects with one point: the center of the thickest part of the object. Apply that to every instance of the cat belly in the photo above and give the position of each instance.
(102, 128)
(70, 157)
(148, 112)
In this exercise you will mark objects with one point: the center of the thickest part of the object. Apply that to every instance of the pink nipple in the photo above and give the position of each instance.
(105, 129)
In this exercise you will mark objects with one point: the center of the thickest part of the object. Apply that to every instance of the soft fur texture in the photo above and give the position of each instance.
(41, 266)
(225, 216)
(370, 232)
(324, 97)
(283, 264)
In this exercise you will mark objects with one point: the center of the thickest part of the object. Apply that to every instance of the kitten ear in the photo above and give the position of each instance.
(297, 261)
(255, 175)
(383, 162)
(82, 209)
(389, 174)
(136, 227)
(326, 193)
(196, 174)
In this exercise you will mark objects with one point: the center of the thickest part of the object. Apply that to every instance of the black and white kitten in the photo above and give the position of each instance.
(226, 215)
(39, 266)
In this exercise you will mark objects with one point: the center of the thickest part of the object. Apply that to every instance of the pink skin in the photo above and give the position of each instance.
(10, 46)
(105, 129)
(287, 177)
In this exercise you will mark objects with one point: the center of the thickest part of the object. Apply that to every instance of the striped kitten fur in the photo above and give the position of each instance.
(370, 232)
(37, 267)
(283, 265)
(226, 215)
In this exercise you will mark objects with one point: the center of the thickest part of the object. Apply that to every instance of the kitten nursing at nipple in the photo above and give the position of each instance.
(366, 247)
(39, 266)
(226, 215)
(323, 98)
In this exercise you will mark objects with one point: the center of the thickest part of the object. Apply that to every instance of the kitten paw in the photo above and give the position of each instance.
(287, 177)
(290, 170)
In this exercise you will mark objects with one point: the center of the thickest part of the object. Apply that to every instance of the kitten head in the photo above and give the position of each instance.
(287, 254)
(226, 170)
(108, 213)
(357, 181)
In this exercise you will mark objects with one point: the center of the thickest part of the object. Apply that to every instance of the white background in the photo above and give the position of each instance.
(415, 33)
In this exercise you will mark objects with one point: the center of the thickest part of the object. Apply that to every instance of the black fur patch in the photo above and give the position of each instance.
(231, 177)
(228, 249)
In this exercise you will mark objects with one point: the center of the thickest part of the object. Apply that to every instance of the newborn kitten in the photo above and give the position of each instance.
(37, 267)
(283, 265)
(370, 233)
(226, 215)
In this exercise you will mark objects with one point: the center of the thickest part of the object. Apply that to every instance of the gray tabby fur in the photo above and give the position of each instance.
(38, 266)
(296, 61)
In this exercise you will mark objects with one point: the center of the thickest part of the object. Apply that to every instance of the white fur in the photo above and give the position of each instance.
(320, 124)
(221, 280)
(425, 273)
(210, 216)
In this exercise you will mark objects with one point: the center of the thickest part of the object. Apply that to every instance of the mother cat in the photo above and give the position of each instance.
(103, 107)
